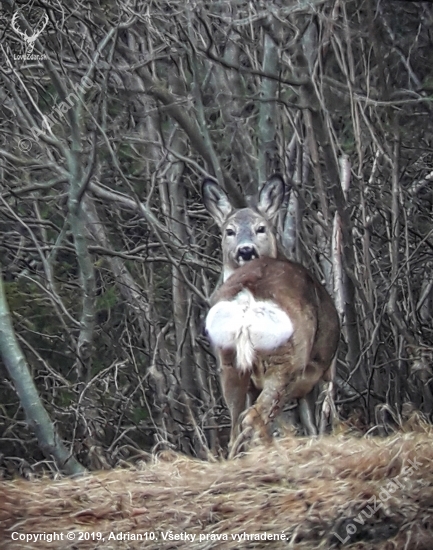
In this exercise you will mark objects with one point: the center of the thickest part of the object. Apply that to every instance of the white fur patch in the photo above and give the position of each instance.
(227, 273)
(247, 326)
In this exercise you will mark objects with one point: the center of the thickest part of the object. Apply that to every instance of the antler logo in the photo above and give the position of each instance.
(29, 40)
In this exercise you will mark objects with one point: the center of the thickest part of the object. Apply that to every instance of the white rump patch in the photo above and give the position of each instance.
(247, 326)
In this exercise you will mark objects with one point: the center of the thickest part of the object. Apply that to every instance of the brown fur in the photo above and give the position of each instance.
(293, 369)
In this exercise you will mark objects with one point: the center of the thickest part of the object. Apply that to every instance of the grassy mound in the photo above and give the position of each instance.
(335, 491)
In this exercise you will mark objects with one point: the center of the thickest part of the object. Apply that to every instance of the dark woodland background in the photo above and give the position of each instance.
(108, 256)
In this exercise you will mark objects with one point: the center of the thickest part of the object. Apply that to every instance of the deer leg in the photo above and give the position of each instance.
(270, 401)
(255, 422)
(253, 394)
(329, 411)
(314, 372)
(288, 376)
(235, 387)
(306, 413)
(240, 437)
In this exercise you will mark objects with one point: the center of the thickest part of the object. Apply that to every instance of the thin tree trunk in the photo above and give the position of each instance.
(49, 440)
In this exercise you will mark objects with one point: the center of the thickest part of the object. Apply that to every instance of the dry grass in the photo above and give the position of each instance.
(307, 489)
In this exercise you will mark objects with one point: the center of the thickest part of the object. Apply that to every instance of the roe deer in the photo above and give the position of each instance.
(273, 325)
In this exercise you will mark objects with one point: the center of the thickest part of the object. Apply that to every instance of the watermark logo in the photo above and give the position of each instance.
(29, 40)
(352, 525)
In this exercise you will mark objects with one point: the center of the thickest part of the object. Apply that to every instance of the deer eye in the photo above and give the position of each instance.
(230, 232)
(261, 229)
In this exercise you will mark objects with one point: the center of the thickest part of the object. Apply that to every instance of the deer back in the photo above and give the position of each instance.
(266, 307)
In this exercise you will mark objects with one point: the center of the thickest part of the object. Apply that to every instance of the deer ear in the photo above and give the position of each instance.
(271, 196)
(216, 201)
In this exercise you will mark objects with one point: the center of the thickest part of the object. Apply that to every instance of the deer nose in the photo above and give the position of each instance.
(247, 253)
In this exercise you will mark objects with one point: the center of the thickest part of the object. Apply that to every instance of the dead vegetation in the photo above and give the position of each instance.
(334, 491)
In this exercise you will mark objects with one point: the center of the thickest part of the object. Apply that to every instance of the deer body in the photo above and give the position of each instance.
(273, 325)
